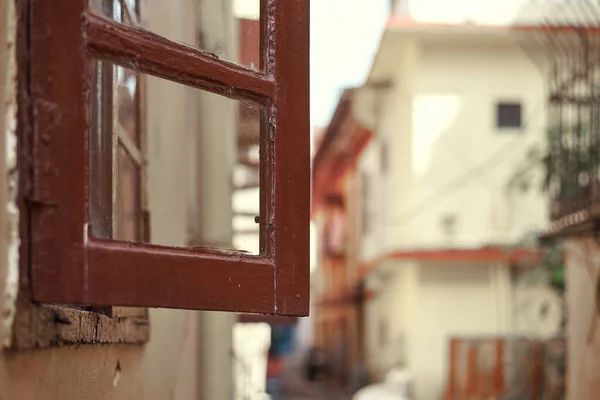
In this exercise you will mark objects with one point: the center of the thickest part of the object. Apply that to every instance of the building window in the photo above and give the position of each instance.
(508, 115)
(88, 235)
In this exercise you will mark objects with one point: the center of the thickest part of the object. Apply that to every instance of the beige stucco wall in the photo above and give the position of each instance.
(163, 369)
(455, 301)
(583, 327)
(188, 355)
(461, 83)
(424, 305)
(447, 157)
(396, 287)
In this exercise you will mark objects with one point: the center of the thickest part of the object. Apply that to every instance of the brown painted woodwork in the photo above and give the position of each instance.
(42, 325)
(290, 198)
(134, 274)
(268, 319)
(471, 378)
(499, 379)
(68, 265)
(478, 374)
(453, 373)
(147, 52)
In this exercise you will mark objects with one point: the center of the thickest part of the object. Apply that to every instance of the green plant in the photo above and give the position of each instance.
(570, 160)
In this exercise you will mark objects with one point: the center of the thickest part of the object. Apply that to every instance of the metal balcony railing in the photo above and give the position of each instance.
(566, 48)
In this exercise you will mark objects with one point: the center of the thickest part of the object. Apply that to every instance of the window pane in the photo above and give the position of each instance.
(124, 11)
(128, 207)
(229, 29)
(194, 140)
(101, 149)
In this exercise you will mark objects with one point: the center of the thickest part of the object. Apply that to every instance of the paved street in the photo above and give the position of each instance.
(297, 389)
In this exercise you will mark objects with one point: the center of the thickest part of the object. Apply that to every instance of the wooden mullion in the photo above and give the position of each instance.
(147, 52)
(135, 149)
(202, 280)
(265, 149)
(290, 162)
(60, 76)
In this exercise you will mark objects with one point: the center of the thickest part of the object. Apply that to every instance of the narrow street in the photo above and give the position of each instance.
(297, 389)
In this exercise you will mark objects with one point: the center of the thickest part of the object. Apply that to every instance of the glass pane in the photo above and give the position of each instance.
(128, 207)
(195, 171)
(116, 155)
(124, 11)
(229, 29)
(101, 150)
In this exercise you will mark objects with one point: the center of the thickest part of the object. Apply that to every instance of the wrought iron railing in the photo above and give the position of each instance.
(570, 42)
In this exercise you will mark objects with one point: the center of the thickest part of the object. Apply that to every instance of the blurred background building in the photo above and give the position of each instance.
(425, 257)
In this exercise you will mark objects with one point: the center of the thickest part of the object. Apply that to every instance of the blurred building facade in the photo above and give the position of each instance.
(336, 308)
(573, 176)
(432, 248)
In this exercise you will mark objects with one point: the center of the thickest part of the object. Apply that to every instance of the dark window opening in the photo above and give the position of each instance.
(508, 115)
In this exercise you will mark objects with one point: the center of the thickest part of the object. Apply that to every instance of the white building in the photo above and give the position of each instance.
(455, 100)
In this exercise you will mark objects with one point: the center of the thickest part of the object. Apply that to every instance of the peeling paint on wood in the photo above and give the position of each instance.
(49, 326)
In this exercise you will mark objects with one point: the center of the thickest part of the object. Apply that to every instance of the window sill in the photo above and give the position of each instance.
(43, 326)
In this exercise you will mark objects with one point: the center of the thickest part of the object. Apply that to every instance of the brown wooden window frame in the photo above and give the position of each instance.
(70, 266)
